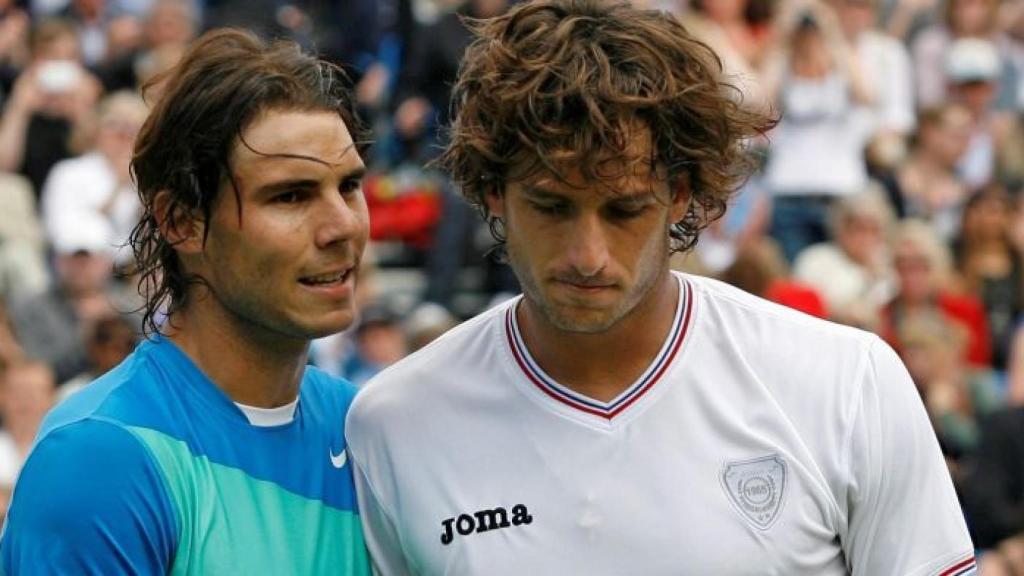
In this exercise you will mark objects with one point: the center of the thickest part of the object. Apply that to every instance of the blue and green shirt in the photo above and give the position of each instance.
(153, 470)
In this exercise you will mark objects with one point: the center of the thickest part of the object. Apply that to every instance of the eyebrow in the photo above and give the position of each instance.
(539, 192)
(293, 183)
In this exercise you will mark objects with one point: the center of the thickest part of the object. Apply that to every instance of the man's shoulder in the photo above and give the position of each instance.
(766, 329)
(87, 493)
(108, 396)
(72, 466)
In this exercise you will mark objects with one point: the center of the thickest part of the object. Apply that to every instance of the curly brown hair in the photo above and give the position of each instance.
(554, 84)
(222, 83)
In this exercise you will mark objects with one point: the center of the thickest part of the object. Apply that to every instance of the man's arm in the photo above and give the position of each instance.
(903, 514)
(90, 500)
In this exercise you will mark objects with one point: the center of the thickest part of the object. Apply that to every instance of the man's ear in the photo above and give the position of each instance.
(495, 202)
(680, 199)
(184, 231)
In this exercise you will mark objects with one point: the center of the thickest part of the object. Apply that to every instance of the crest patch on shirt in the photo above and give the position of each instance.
(757, 488)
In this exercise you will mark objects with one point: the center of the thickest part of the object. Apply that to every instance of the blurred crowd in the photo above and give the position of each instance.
(890, 194)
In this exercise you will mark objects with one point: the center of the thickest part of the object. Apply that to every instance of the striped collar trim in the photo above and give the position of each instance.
(961, 568)
(609, 410)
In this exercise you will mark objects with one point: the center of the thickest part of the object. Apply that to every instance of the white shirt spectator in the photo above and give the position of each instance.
(842, 282)
(818, 147)
(87, 187)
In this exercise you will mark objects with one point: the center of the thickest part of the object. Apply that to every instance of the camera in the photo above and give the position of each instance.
(58, 76)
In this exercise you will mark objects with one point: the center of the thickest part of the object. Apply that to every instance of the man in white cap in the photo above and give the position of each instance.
(973, 68)
(48, 324)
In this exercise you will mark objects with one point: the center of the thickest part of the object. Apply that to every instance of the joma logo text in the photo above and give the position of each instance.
(482, 521)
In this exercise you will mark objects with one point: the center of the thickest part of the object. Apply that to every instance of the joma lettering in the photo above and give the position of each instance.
(482, 521)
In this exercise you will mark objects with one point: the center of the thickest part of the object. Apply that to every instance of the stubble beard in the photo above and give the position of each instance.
(582, 320)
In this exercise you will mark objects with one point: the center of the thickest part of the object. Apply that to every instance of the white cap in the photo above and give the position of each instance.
(89, 232)
(973, 60)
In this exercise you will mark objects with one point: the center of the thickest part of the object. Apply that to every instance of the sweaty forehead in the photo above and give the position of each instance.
(317, 135)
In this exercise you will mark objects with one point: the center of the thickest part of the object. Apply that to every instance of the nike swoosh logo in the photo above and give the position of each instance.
(338, 460)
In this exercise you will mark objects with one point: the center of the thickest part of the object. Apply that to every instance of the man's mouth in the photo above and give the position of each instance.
(586, 284)
(327, 279)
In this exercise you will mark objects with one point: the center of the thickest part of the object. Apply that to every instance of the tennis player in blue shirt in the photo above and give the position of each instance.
(214, 448)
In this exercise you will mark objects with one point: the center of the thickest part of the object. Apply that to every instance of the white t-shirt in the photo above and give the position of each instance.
(760, 441)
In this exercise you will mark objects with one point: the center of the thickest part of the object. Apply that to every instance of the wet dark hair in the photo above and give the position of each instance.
(555, 84)
(183, 150)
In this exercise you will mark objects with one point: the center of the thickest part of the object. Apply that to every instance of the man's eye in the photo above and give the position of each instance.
(350, 186)
(290, 197)
(550, 209)
(626, 212)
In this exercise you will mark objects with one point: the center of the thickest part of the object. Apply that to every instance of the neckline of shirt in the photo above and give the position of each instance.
(561, 396)
(266, 417)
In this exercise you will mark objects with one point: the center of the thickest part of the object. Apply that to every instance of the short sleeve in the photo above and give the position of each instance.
(904, 517)
(90, 500)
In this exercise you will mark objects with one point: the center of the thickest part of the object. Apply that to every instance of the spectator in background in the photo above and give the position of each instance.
(14, 26)
(27, 393)
(760, 269)
(930, 49)
(955, 394)
(885, 63)
(853, 271)
(51, 98)
(166, 31)
(741, 44)
(1012, 45)
(973, 69)
(346, 33)
(993, 494)
(51, 325)
(379, 342)
(817, 150)
(97, 185)
(924, 271)
(10, 349)
(424, 85)
(927, 184)
(91, 19)
(991, 266)
(110, 340)
(426, 323)
(23, 269)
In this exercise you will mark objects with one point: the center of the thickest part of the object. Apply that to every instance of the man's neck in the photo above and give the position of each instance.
(249, 365)
(600, 366)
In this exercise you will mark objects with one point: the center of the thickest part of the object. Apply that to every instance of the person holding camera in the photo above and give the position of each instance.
(817, 151)
(51, 97)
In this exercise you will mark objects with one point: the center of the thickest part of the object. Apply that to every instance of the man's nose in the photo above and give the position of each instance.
(339, 220)
(588, 247)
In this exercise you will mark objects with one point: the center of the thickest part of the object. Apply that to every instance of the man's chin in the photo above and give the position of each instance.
(582, 322)
(324, 327)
